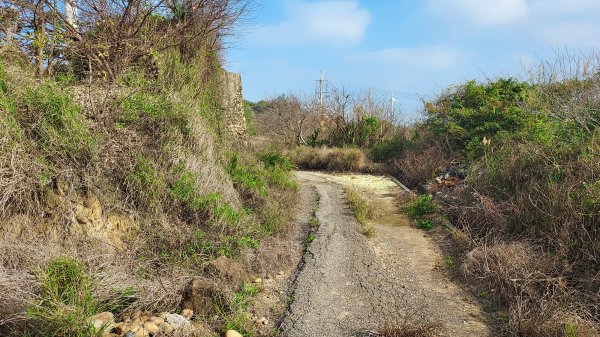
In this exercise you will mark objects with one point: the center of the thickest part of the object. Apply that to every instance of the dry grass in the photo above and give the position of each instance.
(540, 299)
(362, 210)
(170, 240)
(331, 159)
(417, 167)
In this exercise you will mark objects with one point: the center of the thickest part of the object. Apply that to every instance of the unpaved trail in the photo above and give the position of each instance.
(351, 285)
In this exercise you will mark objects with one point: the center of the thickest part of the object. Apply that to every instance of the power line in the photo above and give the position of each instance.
(320, 85)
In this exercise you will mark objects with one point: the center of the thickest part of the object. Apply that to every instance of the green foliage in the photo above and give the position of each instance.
(276, 159)
(473, 111)
(9, 127)
(249, 117)
(359, 206)
(247, 177)
(423, 205)
(56, 123)
(3, 83)
(155, 113)
(278, 170)
(184, 189)
(450, 261)
(238, 319)
(388, 149)
(572, 330)
(65, 301)
(147, 182)
(248, 242)
(272, 217)
(425, 224)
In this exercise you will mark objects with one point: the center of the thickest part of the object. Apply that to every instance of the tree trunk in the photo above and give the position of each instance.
(40, 38)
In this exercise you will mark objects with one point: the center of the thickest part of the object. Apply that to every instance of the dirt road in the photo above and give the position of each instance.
(351, 285)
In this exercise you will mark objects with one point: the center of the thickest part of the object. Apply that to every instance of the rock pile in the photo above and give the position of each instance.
(144, 325)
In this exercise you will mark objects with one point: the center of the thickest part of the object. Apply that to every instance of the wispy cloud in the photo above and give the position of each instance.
(326, 22)
(436, 56)
(482, 13)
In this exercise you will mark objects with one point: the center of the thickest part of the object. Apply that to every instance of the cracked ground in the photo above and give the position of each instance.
(351, 285)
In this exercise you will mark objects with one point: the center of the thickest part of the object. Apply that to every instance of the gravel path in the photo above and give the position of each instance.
(353, 286)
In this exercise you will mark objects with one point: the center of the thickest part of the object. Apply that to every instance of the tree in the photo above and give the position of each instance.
(106, 37)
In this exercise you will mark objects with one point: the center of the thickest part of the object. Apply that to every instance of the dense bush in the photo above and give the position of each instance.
(534, 185)
(463, 117)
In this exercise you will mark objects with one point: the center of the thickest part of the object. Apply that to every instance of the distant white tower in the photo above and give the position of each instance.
(72, 12)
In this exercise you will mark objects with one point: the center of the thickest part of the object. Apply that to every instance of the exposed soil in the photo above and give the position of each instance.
(351, 285)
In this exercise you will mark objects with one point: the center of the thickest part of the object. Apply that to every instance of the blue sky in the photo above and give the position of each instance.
(411, 48)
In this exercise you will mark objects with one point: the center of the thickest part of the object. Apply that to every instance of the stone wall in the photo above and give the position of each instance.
(233, 104)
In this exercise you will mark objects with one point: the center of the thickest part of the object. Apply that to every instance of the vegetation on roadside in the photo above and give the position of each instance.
(362, 210)
(119, 177)
(513, 164)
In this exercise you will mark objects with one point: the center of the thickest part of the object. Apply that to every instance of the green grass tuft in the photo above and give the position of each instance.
(57, 124)
(423, 205)
(65, 300)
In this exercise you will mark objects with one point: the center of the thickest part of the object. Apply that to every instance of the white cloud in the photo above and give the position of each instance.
(481, 12)
(429, 57)
(560, 8)
(329, 22)
(574, 34)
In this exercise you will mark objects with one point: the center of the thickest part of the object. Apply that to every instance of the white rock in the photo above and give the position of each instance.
(258, 280)
(177, 321)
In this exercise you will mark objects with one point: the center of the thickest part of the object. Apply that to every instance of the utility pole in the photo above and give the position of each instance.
(321, 82)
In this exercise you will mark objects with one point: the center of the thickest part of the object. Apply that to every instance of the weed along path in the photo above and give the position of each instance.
(354, 285)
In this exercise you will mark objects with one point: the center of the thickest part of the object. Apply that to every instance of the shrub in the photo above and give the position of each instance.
(472, 111)
(423, 205)
(419, 166)
(331, 159)
(386, 150)
(425, 224)
(276, 159)
(65, 301)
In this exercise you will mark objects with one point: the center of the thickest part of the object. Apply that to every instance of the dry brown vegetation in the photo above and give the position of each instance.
(331, 159)
(115, 195)
(529, 205)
